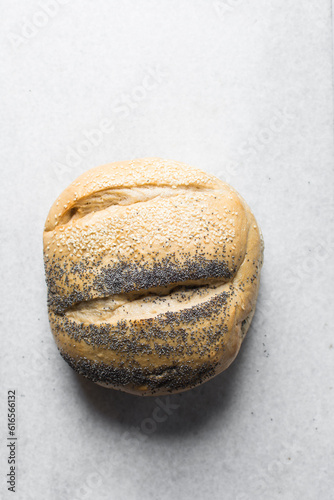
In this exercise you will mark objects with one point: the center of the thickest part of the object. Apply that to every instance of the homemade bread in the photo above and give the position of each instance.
(153, 270)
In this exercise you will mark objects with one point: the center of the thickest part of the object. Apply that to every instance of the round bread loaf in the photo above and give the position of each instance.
(153, 270)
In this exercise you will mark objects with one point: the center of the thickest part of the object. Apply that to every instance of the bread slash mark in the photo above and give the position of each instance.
(115, 197)
(147, 303)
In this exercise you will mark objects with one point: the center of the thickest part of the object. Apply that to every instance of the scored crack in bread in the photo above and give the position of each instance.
(152, 269)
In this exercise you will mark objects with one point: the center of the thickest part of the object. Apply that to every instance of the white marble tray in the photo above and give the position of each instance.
(242, 89)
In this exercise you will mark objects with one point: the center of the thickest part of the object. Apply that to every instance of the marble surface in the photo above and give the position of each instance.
(242, 89)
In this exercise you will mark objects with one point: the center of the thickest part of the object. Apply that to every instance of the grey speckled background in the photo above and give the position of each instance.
(242, 89)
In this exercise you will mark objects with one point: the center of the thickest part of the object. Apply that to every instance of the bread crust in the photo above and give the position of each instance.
(153, 271)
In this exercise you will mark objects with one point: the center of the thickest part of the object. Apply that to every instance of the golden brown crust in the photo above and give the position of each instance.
(153, 272)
